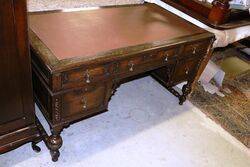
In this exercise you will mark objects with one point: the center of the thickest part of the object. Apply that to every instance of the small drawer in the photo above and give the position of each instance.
(144, 62)
(196, 48)
(84, 76)
(162, 56)
(184, 69)
(129, 65)
(81, 101)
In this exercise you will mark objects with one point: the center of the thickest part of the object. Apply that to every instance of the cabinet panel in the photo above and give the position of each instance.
(10, 97)
(16, 100)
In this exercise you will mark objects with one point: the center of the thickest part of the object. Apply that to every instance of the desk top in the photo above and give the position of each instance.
(91, 33)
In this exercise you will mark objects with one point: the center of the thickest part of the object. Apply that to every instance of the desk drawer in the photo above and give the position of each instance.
(81, 77)
(83, 101)
(145, 62)
(184, 69)
(196, 48)
(162, 56)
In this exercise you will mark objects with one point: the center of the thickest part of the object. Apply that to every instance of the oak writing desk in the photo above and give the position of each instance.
(80, 57)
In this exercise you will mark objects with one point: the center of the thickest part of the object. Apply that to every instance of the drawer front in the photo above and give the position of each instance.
(84, 102)
(81, 77)
(184, 69)
(144, 62)
(196, 48)
(161, 56)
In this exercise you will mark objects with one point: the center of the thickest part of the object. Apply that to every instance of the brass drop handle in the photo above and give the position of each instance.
(131, 66)
(87, 76)
(84, 101)
(147, 56)
(186, 71)
(166, 58)
(194, 49)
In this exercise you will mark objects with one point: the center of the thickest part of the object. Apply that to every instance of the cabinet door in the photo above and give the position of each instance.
(16, 101)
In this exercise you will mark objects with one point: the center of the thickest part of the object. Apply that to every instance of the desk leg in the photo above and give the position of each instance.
(186, 90)
(55, 143)
(34, 146)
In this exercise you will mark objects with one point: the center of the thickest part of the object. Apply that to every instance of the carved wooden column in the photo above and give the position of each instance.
(219, 12)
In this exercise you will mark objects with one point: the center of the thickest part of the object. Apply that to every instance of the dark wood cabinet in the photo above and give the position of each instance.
(17, 115)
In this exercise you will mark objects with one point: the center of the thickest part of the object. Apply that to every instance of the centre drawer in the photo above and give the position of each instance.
(145, 62)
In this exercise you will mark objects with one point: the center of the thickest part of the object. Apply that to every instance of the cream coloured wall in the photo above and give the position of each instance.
(39, 5)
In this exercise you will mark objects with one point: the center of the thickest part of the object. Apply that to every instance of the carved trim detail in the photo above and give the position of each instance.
(116, 67)
(57, 109)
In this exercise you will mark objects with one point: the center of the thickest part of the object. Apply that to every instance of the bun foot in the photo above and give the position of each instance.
(182, 99)
(35, 147)
(186, 90)
(181, 103)
(54, 144)
(54, 155)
